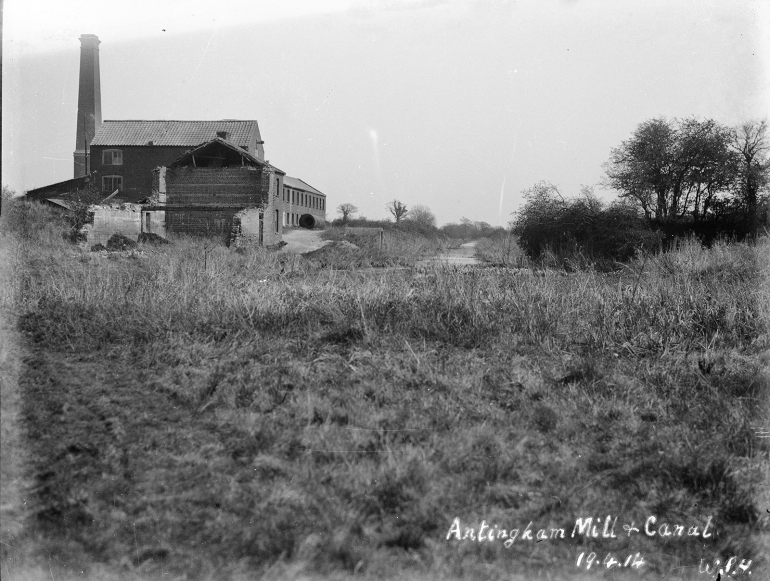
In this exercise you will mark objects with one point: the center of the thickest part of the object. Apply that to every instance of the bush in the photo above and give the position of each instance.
(582, 229)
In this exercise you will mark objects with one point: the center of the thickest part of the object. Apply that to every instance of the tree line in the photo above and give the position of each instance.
(674, 177)
(417, 218)
(694, 170)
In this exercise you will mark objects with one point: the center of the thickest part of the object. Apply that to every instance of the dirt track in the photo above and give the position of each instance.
(301, 240)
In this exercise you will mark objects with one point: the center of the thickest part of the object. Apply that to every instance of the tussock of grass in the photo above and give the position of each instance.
(199, 409)
(502, 249)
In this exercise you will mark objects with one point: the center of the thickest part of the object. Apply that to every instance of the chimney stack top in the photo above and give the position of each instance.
(89, 39)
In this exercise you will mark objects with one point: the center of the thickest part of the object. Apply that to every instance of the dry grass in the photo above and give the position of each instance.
(195, 410)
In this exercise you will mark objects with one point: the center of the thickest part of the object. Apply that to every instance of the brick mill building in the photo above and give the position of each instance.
(124, 153)
(220, 160)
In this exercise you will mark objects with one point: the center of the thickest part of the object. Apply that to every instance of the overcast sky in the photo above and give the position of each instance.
(457, 105)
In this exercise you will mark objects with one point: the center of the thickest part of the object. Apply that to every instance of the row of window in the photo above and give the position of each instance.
(291, 219)
(303, 199)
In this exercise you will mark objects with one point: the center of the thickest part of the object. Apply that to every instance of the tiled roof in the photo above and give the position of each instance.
(298, 184)
(179, 133)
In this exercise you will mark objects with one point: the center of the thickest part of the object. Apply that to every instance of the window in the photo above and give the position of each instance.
(112, 157)
(112, 183)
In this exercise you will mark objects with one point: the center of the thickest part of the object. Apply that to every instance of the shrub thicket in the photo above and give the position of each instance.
(582, 228)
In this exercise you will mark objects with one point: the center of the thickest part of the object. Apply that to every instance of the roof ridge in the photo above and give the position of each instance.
(312, 188)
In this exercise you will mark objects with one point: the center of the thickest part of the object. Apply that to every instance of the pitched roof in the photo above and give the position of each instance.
(178, 133)
(298, 184)
(209, 147)
(59, 188)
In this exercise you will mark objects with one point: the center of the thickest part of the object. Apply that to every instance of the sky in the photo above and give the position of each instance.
(457, 105)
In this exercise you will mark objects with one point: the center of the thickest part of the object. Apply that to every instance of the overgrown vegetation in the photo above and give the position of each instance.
(580, 232)
(675, 178)
(378, 247)
(215, 413)
(696, 175)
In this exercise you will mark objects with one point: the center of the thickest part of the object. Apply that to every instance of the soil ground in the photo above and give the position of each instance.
(302, 240)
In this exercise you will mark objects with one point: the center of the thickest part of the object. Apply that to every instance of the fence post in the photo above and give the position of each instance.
(382, 238)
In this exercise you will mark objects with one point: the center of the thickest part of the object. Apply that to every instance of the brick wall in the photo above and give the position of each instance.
(272, 230)
(237, 186)
(201, 221)
(138, 163)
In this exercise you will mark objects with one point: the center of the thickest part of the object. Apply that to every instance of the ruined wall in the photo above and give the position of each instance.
(201, 221)
(240, 204)
(125, 219)
(246, 227)
(195, 186)
(154, 222)
(272, 227)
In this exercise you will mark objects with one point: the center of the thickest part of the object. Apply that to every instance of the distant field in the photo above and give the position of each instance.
(196, 411)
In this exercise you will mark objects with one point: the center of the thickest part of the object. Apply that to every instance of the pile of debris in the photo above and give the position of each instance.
(121, 243)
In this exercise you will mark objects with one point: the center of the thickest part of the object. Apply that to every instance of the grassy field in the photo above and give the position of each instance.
(198, 412)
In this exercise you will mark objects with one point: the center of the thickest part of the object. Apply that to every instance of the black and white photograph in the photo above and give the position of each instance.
(420, 290)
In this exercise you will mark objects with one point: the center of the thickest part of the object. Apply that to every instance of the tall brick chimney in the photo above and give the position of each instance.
(89, 102)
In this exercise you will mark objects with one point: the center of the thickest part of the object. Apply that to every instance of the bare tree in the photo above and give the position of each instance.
(346, 211)
(397, 209)
(751, 142)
